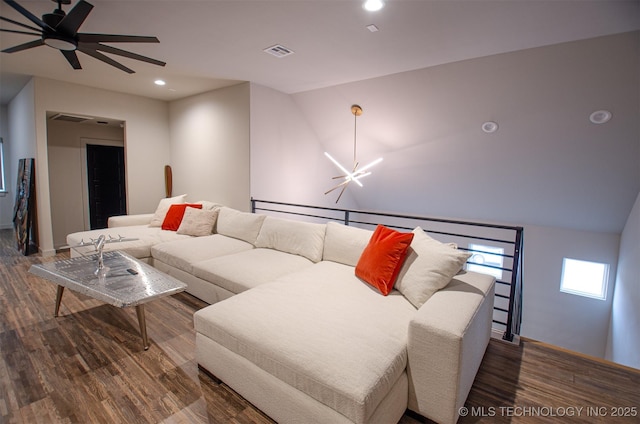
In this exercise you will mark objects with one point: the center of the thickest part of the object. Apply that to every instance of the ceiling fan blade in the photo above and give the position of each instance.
(72, 58)
(19, 24)
(106, 59)
(114, 38)
(25, 46)
(76, 16)
(24, 12)
(20, 32)
(124, 53)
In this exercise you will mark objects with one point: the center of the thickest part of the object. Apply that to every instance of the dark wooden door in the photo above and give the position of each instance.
(105, 175)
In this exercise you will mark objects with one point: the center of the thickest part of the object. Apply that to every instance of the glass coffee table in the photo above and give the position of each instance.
(120, 280)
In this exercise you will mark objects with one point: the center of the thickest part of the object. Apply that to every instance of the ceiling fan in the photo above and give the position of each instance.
(60, 31)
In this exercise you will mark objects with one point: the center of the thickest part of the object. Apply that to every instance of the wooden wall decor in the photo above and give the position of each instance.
(168, 180)
(24, 210)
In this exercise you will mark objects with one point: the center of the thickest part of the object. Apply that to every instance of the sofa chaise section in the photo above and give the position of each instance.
(321, 345)
(322, 332)
(303, 350)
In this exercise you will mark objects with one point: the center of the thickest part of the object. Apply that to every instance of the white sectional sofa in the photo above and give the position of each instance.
(293, 330)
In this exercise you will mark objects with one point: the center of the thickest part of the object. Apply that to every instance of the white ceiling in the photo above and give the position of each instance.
(214, 43)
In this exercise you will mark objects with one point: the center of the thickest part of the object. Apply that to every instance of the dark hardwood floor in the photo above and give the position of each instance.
(88, 366)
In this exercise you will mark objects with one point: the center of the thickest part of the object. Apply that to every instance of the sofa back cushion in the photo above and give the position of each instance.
(241, 225)
(163, 208)
(296, 237)
(344, 244)
(209, 206)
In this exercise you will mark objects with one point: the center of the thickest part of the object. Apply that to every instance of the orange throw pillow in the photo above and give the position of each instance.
(174, 215)
(380, 262)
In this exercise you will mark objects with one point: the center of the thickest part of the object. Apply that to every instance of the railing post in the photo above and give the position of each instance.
(253, 205)
(515, 294)
(346, 217)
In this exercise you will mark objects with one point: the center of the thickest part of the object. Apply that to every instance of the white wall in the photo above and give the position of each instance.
(20, 138)
(624, 335)
(66, 156)
(210, 146)
(574, 322)
(287, 160)
(146, 142)
(6, 199)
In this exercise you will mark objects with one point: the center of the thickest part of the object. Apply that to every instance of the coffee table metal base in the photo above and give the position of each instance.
(123, 281)
(142, 322)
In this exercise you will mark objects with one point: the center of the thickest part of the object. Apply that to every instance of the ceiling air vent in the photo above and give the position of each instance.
(70, 118)
(279, 51)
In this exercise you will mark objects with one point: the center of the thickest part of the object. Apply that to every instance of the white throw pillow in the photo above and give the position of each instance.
(207, 205)
(344, 244)
(296, 237)
(198, 222)
(163, 208)
(429, 267)
(241, 225)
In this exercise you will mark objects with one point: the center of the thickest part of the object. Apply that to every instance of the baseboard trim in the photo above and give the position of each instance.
(48, 252)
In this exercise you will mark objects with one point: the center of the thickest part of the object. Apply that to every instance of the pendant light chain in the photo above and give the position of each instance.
(355, 133)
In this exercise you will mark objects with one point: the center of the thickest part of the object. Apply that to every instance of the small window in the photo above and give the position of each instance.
(584, 278)
(486, 260)
(3, 187)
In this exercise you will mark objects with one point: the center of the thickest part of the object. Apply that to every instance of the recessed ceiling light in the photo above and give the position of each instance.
(159, 82)
(373, 5)
(600, 116)
(372, 28)
(490, 127)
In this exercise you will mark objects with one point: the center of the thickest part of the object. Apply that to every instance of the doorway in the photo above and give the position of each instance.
(67, 142)
(106, 184)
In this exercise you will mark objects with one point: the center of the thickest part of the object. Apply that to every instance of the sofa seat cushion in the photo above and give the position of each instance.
(182, 254)
(248, 269)
(320, 330)
(141, 248)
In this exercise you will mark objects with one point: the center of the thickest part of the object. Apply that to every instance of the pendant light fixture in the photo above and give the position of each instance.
(356, 174)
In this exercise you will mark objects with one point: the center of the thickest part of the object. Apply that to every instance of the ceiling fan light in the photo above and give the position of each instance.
(60, 43)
